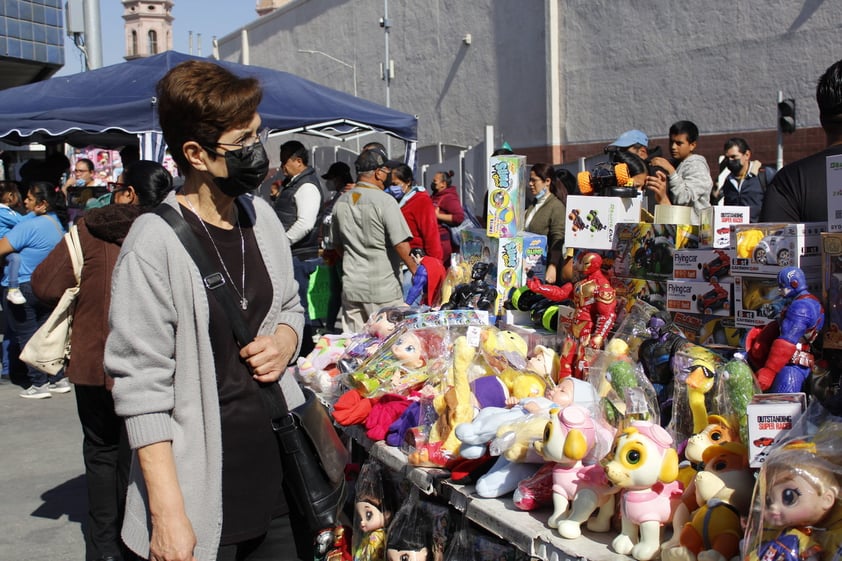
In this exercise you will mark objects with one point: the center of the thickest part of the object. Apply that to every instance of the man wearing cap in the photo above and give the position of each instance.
(338, 177)
(633, 141)
(297, 204)
(371, 234)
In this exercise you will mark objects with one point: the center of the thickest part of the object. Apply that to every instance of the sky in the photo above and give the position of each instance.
(208, 17)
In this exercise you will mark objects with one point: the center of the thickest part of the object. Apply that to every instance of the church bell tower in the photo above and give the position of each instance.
(148, 27)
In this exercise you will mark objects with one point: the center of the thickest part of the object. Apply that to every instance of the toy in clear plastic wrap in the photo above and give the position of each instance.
(644, 466)
(372, 514)
(404, 362)
(798, 495)
(319, 370)
(458, 273)
(735, 386)
(633, 329)
(625, 393)
(723, 491)
(477, 294)
(695, 369)
(427, 280)
(409, 534)
(377, 329)
(656, 352)
(576, 441)
(595, 306)
(780, 351)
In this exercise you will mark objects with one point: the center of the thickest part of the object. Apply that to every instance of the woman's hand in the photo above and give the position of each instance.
(269, 355)
(551, 274)
(172, 539)
(658, 185)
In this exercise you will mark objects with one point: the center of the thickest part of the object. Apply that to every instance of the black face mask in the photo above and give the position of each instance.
(247, 168)
(734, 166)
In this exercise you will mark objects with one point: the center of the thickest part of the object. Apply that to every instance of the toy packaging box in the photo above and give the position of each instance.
(645, 251)
(478, 246)
(709, 330)
(832, 288)
(628, 291)
(769, 416)
(834, 193)
(757, 300)
(534, 255)
(507, 186)
(715, 224)
(702, 265)
(509, 261)
(708, 298)
(765, 248)
(591, 221)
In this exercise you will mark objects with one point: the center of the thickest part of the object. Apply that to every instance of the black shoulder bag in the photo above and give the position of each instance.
(312, 454)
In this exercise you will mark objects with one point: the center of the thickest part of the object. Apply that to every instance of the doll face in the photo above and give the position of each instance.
(562, 393)
(792, 500)
(406, 555)
(407, 349)
(380, 326)
(370, 517)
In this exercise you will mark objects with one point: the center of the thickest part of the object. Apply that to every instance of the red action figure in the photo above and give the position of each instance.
(595, 303)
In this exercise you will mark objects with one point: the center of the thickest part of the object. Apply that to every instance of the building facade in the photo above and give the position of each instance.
(31, 41)
(559, 79)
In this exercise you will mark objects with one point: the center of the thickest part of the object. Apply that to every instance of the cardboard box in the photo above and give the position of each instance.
(715, 224)
(507, 187)
(628, 291)
(645, 251)
(709, 330)
(477, 246)
(591, 221)
(708, 298)
(534, 255)
(757, 300)
(765, 248)
(832, 288)
(703, 265)
(834, 193)
(770, 416)
(509, 270)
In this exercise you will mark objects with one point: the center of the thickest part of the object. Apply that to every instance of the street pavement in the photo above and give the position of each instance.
(42, 495)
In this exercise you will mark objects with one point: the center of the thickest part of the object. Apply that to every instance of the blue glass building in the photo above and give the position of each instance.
(31, 40)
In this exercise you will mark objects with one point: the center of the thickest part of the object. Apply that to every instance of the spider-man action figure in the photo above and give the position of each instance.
(780, 350)
(595, 311)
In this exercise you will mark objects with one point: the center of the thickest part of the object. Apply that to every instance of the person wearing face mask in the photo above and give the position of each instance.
(546, 216)
(105, 447)
(206, 477)
(746, 183)
(449, 211)
(420, 215)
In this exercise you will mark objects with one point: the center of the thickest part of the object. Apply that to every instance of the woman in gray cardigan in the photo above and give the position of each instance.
(206, 474)
(546, 216)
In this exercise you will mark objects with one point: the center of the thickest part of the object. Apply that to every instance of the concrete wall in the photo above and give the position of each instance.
(622, 64)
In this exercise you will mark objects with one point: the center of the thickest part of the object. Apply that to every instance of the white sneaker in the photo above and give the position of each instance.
(62, 386)
(36, 392)
(15, 296)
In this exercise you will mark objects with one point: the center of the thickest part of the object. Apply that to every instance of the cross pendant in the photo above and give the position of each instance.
(244, 304)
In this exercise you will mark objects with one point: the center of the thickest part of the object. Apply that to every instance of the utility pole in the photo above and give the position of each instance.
(93, 35)
(388, 67)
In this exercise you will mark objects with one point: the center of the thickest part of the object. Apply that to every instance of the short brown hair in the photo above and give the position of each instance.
(199, 101)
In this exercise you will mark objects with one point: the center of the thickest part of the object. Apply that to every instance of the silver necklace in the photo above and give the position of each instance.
(244, 303)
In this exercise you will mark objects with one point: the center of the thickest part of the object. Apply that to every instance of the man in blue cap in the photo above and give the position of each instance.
(634, 141)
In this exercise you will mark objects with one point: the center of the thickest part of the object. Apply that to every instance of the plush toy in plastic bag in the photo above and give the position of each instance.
(319, 370)
(695, 368)
(735, 386)
(625, 393)
(798, 512)
(403, 362)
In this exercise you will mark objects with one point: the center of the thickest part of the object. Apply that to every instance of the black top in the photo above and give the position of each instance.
(251, 464)
(798, 193)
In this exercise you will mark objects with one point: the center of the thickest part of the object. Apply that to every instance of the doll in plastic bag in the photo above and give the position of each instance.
(372, 514)
(800, 514)
(409, 534)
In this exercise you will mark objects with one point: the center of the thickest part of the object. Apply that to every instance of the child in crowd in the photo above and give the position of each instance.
(688, 182)
(9, 217)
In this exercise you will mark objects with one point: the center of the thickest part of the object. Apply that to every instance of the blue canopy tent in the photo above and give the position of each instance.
(115, 105)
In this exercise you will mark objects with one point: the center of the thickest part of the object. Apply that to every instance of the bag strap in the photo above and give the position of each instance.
(214, 280)
(74, 246)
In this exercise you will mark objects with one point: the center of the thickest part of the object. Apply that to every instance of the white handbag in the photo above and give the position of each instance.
(49, 348)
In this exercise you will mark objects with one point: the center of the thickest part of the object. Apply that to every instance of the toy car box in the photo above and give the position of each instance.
(757, 299)
(832, 289)
(702, 265)
(507, 187)
(715, 224)
(628, 291)
(645, 251)
(712, 331)
(765, 248)
(769, 417)
(708, 298)
(591, 221)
